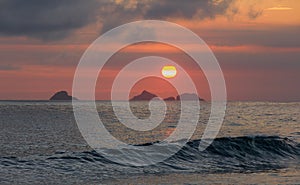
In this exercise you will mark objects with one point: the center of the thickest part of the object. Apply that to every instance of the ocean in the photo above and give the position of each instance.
(259, 143)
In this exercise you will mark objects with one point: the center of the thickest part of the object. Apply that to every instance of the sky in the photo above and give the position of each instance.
(256, 43)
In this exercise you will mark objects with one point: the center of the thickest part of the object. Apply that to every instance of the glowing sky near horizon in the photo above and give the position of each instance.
(257, 44)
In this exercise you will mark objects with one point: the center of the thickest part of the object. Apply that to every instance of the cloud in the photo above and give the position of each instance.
(123, 11)
(9, 68)
(187, 9)
(271, 36)
(253, 13)
(45, 19)
(279, 8)
(56, 19)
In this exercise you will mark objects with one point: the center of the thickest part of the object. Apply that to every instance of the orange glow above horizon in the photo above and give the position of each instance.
(256, 45)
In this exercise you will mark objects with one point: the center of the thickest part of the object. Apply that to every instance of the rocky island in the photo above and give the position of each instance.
(144, 96)
(62, 96)
(171, 98)
(147, 96)
(188, 97)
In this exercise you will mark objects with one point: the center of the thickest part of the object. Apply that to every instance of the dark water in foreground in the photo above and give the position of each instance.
(258, 143)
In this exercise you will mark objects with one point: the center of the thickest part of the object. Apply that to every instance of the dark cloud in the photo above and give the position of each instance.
(55, 19)
(144, 9)
(254, 13)
(8, 67)
(45, 19)
(188, 9)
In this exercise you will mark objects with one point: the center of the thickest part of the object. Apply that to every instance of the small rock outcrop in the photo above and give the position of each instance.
(188, 97)
(171, 98)
(144, 96)
(62, 96)
(147, 96)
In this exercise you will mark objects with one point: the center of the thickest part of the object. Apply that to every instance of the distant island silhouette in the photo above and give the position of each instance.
(144, 96)
(147, 96)
(171, 98)
(62, 96)
(189, 97)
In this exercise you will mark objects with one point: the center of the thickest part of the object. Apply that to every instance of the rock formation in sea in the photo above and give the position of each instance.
(171, 98)
(62, 96)
(188, 97)
(147, 96)
(144, 96)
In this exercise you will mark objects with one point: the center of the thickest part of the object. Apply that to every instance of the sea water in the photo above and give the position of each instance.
(257, 144)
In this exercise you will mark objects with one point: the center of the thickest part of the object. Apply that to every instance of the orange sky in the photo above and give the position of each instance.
(255, 42)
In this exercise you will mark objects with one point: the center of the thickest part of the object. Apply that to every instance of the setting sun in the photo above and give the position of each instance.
(169, 71)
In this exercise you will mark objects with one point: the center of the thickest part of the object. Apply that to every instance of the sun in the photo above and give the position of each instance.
(169, 71)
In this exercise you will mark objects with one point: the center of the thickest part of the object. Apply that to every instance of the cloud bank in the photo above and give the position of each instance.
(55, 19)
(45, 19)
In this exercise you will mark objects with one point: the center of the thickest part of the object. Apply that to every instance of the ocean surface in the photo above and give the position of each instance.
(259, 143)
